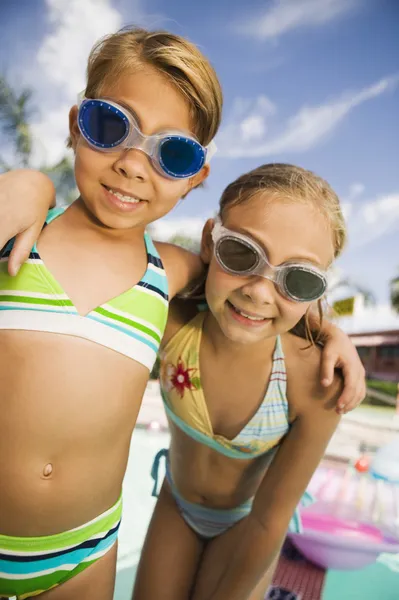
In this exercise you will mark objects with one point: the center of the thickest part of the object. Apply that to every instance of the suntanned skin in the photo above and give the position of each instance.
(219, 481)
(235, 364)
(69, 405)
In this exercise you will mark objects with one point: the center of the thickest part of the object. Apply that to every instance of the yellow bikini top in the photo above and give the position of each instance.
(185, 403)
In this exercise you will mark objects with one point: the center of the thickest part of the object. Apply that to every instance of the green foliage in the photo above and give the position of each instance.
(394, 293)
(14, 122)
(15, 114)
(388, 387)
(186, 242)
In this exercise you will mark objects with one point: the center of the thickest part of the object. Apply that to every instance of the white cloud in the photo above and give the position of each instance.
(49, 134)
(355, 190)
(282, 16)
(305, 130)
(346, 208)
(190, 227)
(369, 218)
(74, 26)
(373, 218)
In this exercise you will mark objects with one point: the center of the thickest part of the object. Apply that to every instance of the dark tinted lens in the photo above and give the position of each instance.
(236, 256)
(181, 157)
(303, 284)
(104, 125)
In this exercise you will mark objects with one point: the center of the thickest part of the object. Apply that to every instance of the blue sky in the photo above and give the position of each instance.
(312, 82)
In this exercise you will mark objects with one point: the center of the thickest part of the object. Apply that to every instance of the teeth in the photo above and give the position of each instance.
(250, 317)
(124, 198)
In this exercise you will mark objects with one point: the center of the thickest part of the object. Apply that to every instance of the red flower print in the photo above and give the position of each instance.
(180, 377)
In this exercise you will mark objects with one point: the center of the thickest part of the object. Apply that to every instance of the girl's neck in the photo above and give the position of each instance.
(78, 217)
(223, 345)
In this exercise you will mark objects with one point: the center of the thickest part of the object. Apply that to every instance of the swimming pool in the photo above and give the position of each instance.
(138, 505)
(365, 584)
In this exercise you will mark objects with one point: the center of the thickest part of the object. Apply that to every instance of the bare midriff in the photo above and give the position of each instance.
(204, 476)
(68, 407)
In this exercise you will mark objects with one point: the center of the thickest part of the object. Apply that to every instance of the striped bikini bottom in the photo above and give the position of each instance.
(210, 522)
(30, 566)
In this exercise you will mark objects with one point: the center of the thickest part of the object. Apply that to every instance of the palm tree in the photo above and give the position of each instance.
(14, 122)
(62, 175)
(347, 282)
(394, 293)
(15, 113)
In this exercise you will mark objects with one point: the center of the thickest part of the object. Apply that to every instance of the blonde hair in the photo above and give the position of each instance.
(290, 183)
(180, 61)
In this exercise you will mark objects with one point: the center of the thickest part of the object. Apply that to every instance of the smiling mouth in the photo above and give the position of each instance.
(250, 316)
(129, 199)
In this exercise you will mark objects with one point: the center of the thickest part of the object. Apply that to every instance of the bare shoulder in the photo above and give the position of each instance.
(181, 266)
(304, 389)
(180, 313)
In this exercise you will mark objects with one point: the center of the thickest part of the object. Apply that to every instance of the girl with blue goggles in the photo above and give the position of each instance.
(108, 126)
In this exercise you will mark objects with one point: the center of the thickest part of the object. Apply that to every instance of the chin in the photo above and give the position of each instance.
(112, 220)
(240, 335)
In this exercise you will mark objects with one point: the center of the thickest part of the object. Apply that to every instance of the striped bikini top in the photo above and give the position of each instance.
(132, 323)
(185, 403)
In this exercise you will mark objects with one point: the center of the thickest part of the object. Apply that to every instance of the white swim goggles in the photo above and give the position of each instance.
(108, 126)
(238, 254)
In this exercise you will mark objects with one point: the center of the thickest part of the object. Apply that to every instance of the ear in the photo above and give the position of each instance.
(73, 126)
(201, 176)
(207, 242)
(197, 180)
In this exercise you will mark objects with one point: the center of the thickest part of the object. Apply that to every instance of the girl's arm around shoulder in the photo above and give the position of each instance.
(263, 531)
(25, 197)
(182, 266)
(340, 353)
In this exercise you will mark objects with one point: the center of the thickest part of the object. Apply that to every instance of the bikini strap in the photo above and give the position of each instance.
(279, 373)
(53, 213)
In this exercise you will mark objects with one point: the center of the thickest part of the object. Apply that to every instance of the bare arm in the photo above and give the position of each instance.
(233, 570)
(25, 197)
(340, 353)
(182, 266)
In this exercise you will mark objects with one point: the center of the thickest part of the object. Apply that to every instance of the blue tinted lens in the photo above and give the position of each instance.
(103, 124)
(181, 157)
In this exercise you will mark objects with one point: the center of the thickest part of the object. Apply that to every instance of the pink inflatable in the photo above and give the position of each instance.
(354, 519)
(335, 543)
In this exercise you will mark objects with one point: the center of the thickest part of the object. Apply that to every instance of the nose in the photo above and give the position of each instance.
(260, 290)
(132, 164)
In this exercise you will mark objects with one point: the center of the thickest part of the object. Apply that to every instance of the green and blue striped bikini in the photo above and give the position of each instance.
(131, 324)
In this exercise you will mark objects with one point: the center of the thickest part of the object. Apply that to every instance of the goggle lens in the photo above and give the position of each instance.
(181, 157)
(236, 256)
(304, 285)
(103, 124)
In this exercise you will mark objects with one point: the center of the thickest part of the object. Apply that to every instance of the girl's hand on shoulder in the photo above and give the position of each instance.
(340, 353)
(25, 198)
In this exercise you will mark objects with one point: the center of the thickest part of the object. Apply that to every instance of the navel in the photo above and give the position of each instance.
(47, 471)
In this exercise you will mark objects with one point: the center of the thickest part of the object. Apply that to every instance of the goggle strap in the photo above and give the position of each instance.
(80, 97)
(211, 150)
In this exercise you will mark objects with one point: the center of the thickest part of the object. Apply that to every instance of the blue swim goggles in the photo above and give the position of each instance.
(108, 126)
